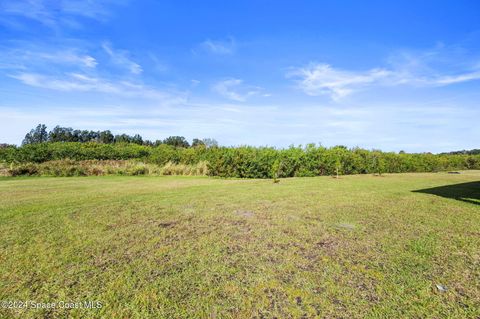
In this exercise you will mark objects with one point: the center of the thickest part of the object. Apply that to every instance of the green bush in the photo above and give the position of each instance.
(28, 169)
(101, 167)
(243, 161)
(138, 170)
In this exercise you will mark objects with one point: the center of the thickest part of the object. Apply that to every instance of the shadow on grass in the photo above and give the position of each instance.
(465, 192)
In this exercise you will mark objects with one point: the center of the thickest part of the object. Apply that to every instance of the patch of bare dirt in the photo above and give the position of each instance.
(244, 213)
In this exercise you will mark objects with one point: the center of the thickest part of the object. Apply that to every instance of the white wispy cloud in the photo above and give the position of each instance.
(452, 79)
(158, 65)
(29, 56)
(55, 13)
(93, 9)
(220, 47)
(77, 82)
(323, 79)
(67, 57)
(121, 58)
(426, 69)
(31, 9)
(235, 90)
(67, 69)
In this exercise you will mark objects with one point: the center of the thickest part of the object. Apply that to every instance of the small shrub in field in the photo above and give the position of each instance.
(4, 170)
(24, 169)
(97, 171)
(138, 170)
(202, 168)
(168, 169)
(154, 170)
(174, 169)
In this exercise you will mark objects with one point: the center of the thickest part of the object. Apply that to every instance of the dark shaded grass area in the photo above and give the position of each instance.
(465, 192)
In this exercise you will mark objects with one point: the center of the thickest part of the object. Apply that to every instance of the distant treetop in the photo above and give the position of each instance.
(68, 134)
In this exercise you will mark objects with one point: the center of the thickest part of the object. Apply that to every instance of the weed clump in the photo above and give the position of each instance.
(28, 169)
(67, 168)
(199, 169)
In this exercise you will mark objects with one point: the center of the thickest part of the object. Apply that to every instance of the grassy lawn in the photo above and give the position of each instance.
(187, 247)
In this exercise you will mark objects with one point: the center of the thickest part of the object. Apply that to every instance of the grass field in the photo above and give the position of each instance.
(193, 247)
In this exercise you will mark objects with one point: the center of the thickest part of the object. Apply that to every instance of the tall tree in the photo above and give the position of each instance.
(197, 142)
(177, 141)
(123, 138)
(36, 135)
(137, 139)
(210, 142)
(60, 134)
(106, 137)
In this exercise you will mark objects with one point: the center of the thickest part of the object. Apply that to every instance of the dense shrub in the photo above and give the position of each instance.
(24, 169)
(198, 169)
(101, 167)
(42, 152)
(244, 161)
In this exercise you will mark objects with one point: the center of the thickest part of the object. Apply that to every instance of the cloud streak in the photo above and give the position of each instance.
(219, 47)
(68, 57)
(323, 79)
(77, 82)
(121, 58)
(55, 13)
(34, 57)
(234, 89)
(73, 70)
(416, 71)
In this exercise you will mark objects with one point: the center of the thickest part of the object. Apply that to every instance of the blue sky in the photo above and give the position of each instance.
(393, 75)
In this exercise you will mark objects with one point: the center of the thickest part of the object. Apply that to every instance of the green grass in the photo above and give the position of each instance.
(197, 247)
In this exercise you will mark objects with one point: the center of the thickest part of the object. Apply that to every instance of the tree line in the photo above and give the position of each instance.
(246, 161)
(39, 134)
(40, 146)
(465, 152)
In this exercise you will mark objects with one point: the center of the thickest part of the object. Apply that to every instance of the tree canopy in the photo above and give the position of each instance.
(68, 134)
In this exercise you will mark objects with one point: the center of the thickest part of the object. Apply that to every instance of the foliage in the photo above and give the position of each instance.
(198, 169)
(36, 135)
(197, 143)
(101, 167)
(465, 152)
(210, 142)
(177, 141)
(247, 161)
(68, 134)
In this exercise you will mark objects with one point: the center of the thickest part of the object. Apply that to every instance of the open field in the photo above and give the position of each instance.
(361, 246)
